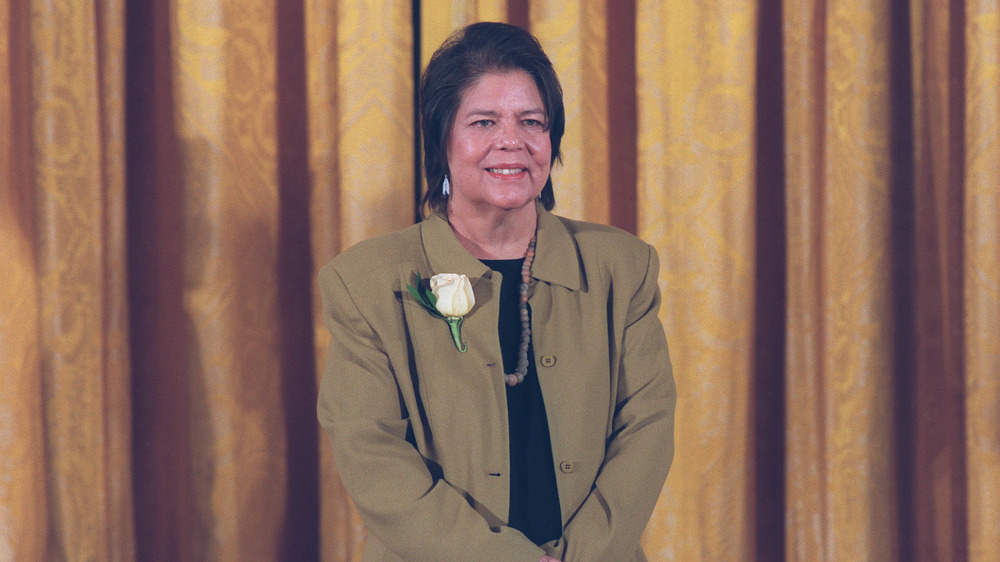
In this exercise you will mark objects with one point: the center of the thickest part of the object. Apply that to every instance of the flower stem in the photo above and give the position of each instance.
(455, 323)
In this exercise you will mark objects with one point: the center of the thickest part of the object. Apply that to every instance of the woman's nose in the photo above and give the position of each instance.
(508, 138)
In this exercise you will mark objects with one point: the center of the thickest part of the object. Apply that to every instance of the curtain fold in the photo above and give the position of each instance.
(937, 462)
(849, 393)
(24, 525)
(695, 193)
(805, 518)
(820, 179)
(66, 409)
(981, 274)
(223, 59)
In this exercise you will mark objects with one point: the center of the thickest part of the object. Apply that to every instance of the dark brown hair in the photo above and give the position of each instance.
(470, 53)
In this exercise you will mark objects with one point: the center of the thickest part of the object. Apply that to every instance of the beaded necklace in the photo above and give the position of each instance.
(522, 358)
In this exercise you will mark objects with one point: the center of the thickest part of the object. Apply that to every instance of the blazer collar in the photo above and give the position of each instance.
(556, 258)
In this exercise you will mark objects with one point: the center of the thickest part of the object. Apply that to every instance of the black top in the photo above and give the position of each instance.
(534, 499)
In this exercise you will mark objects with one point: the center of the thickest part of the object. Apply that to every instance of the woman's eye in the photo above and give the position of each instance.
(533, 123)
(482, 123)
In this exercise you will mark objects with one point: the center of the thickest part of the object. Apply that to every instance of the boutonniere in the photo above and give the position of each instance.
(450, 296)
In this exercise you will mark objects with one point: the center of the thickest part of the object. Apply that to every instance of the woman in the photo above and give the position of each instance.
(524, 412)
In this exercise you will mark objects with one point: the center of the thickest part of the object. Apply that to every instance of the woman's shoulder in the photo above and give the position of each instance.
(613, 258)
(374, 257)
(606, 242)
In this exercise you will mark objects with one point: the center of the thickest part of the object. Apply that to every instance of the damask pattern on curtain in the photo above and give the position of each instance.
(821, 180)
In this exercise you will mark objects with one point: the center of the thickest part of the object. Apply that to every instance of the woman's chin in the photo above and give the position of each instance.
(512, 203)
(496, 203)
(513, 198)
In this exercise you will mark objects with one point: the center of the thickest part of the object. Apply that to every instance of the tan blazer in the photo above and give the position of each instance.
(419, 430)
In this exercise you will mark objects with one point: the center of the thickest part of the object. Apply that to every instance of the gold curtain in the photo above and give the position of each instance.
(821, 180)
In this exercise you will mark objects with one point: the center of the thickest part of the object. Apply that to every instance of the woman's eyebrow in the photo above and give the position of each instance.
(493, 113)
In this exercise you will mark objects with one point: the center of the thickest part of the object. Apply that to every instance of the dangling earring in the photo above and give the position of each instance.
(446, 187)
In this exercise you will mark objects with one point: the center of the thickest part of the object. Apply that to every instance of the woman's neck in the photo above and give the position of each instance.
(498, 236)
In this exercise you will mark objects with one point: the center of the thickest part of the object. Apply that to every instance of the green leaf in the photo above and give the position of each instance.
(426, 298)
(415, 294)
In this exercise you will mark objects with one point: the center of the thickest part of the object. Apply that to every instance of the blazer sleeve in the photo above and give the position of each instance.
(610, 521)
(417, 516)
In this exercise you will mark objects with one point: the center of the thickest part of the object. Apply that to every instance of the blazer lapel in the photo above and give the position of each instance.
(557, 257)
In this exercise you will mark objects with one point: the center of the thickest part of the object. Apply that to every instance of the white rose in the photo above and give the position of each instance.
(454, 294)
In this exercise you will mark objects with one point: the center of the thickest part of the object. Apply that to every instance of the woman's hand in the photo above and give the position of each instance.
(549, 559)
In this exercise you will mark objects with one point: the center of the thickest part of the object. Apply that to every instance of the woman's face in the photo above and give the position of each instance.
(499, 151)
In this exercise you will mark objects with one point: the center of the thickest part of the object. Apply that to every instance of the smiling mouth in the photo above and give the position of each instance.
(506, 171)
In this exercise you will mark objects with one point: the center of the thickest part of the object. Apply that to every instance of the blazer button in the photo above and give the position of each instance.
(548, 360)
(568, 467)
